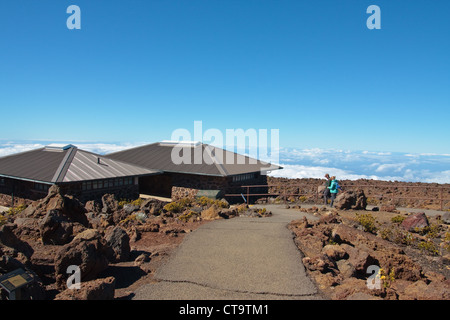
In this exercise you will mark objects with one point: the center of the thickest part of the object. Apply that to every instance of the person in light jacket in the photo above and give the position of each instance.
(334, 189)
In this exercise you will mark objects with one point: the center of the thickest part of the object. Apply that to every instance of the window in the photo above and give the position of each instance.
(128, 181)
(107, 183)
(243, 177)
(2, 181)
(41, 187)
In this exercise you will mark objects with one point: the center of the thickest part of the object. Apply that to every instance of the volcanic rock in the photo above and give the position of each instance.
(119, 241)
(212, 213)
(446, 218)
(109, 204)
(88, 250)
(355, 200)
(99, 289)
(56, 228)
(417, 220)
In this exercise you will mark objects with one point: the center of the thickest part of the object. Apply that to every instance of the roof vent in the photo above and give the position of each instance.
(58, 147)
(171, 143)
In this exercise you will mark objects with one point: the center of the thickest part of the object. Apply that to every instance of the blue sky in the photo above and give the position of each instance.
(139, 69)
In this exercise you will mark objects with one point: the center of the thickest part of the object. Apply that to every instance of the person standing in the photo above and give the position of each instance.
(326, 191)
(334, 189)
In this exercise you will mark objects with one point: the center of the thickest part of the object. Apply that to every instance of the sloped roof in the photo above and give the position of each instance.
(66, 164)
(202, 159)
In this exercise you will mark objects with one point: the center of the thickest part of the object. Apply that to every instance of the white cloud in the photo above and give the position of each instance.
(301, 171)
(104, 148)
(10, 148)
(377, 153)
(396, 167)
(100, 148)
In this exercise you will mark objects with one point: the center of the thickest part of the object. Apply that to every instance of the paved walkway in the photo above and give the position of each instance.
(239, 258)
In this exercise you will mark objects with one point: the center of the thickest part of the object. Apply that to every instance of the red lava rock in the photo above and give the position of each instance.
(417, 220)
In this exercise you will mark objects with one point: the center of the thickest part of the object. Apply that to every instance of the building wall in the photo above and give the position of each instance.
(25, 192)
(21, 192)
(172, 185)
(187, 185)
(129, 192)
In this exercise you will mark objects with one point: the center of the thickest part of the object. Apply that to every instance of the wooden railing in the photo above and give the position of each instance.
(390, 192)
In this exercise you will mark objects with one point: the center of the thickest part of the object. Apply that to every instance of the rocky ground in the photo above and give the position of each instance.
(117, 245)
(404, 256)
(378, 193)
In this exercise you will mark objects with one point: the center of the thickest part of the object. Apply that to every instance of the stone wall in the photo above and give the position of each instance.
(185, 185)
(188, 185)
(182, 192)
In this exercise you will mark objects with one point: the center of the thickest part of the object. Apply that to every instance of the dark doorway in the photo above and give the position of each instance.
(159, 185)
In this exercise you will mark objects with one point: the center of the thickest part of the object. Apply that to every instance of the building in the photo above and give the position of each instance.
(193, 169)
(85, 175)
(169, 169)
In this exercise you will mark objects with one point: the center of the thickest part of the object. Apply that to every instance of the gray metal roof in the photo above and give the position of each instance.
(200, 159)
(66, 164)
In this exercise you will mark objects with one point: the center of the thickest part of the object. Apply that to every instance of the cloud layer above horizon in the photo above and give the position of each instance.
(314, 163)
(353, 165)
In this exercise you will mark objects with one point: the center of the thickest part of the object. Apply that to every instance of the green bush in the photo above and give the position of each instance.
(398, 219)
(206, 202)
(3, 220)
(131, 217)
(403, 237)
(188, 215)
(175, 207)
(136, 202)
(446, 241)
(367, 221)
(15, 210)
(185, 202)
(11, 212)
(123, 202)
(428, 247)
(430, 232)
